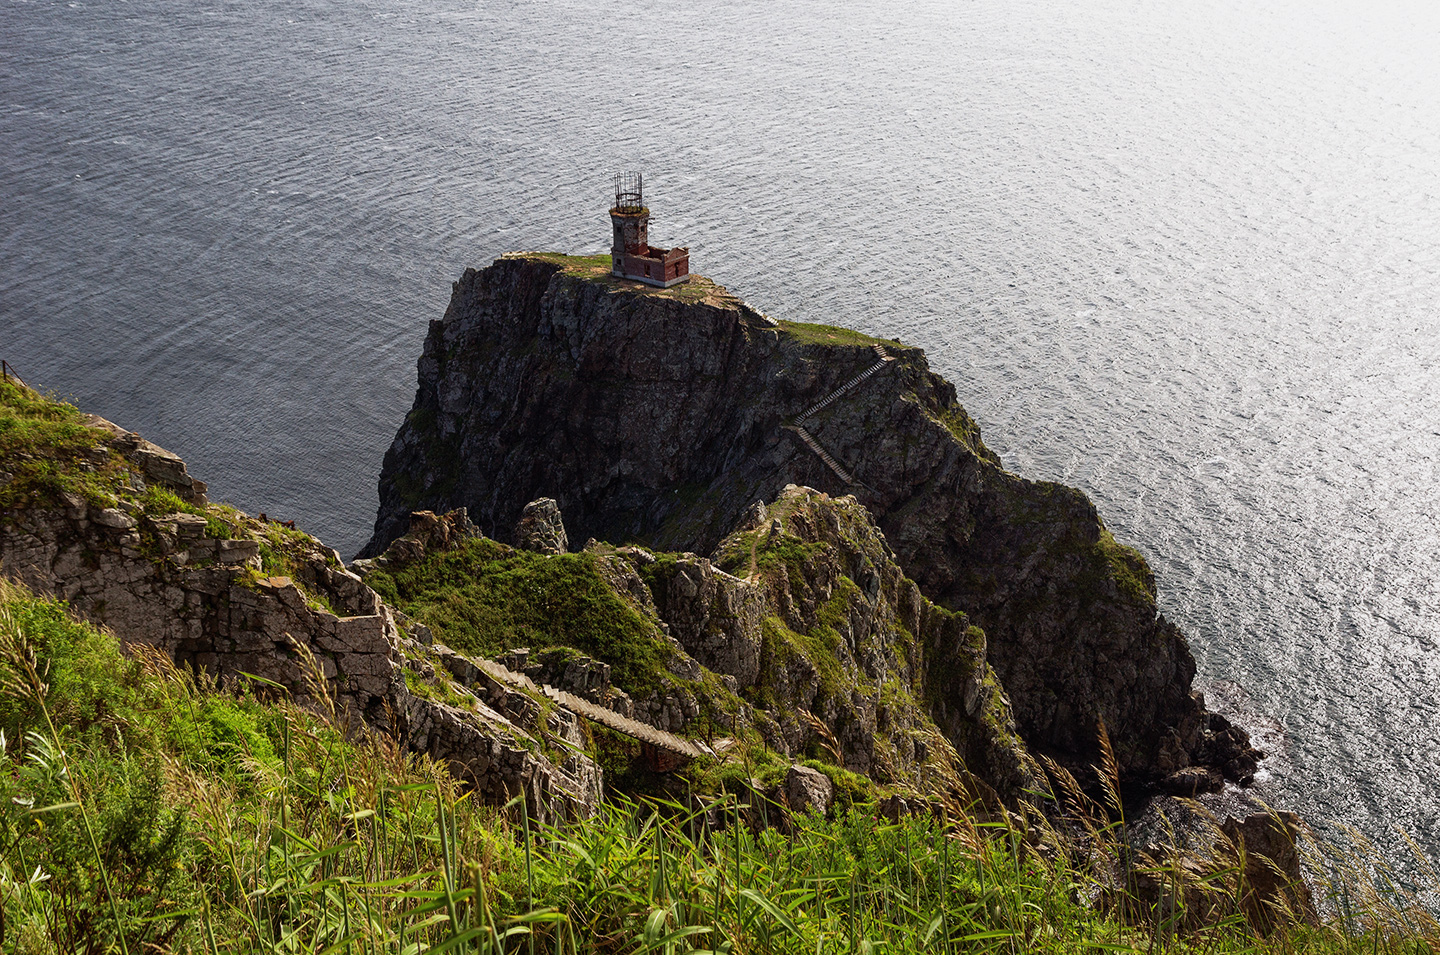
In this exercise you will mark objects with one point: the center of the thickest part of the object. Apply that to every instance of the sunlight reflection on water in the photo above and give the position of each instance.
(1183, 256)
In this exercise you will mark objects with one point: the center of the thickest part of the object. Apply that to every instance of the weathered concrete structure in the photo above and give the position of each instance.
(631, 255)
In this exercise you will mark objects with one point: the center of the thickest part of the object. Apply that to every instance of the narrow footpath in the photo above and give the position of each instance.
(644, 732)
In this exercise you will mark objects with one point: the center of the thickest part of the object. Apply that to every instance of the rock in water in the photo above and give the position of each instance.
(541, 529)
(664, 415)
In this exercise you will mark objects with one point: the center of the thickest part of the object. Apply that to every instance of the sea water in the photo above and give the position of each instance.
(1185, 257)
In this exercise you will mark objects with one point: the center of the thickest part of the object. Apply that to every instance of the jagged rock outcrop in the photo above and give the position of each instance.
(428, 533)
(541, 528)
(715, 616)
(242, 598)
(1264, 846)
(662, 416)
(1196, 858)
(854, 660)
(802, 628)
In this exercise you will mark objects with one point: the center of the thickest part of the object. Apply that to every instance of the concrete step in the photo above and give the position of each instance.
(644, 732)
(814, 445)
(829, 399)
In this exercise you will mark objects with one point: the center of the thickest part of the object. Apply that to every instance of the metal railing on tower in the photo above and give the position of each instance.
(629, 192)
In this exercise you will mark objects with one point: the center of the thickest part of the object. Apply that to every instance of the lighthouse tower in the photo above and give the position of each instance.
(631, 255)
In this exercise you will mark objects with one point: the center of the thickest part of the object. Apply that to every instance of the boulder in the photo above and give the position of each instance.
(809, 790)
(541, 529)
(1191, 781)
(1274, 884)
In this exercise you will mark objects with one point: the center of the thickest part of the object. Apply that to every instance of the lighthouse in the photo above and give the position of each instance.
(631, 255)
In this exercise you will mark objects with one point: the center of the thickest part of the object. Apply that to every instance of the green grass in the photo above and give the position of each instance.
(809, 334)
(484, 598)
(580, 264)
(596, 268)
(143, 811)
(49, 452)
(158, 500)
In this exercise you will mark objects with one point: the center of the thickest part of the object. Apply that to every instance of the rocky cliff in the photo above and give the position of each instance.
(802, 638)
(845, 638)
(663, 416)
(115, 526)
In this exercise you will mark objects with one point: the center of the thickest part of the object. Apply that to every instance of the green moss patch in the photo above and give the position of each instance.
(48, 451)
(484, 598)
(851, 789)
(959, 423)
(1132, 575)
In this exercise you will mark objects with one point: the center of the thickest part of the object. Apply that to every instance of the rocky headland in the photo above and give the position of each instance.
(675, 419)
(805, 587)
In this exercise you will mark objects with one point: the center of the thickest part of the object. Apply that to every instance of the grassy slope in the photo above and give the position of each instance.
(48, 452)
(596, 268)
(485, 598)
(224, 823)
(142, 810)
(50, 458)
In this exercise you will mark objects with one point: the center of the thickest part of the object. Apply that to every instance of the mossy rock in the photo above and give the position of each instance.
(484, 598)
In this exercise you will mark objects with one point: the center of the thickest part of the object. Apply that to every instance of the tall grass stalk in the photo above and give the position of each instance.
(299, 838)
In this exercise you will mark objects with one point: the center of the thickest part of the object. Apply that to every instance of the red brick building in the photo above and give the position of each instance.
(631, 255)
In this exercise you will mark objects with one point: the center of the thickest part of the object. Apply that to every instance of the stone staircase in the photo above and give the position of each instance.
(883, 359)
(822, 454)
(830, 399)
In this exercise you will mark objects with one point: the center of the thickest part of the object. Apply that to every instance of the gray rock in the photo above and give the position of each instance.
(188, 525)
(1192, 780)
(809, 790)
(112, 517)
(217, 618)
(236, 551)
(714, 616)
(541, 529)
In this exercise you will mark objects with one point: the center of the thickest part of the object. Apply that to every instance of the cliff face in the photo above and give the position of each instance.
(803, 632)
(662, 416)
(116, 527)
(846, 638)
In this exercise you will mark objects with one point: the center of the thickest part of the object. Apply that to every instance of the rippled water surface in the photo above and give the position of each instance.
(1183, 256)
